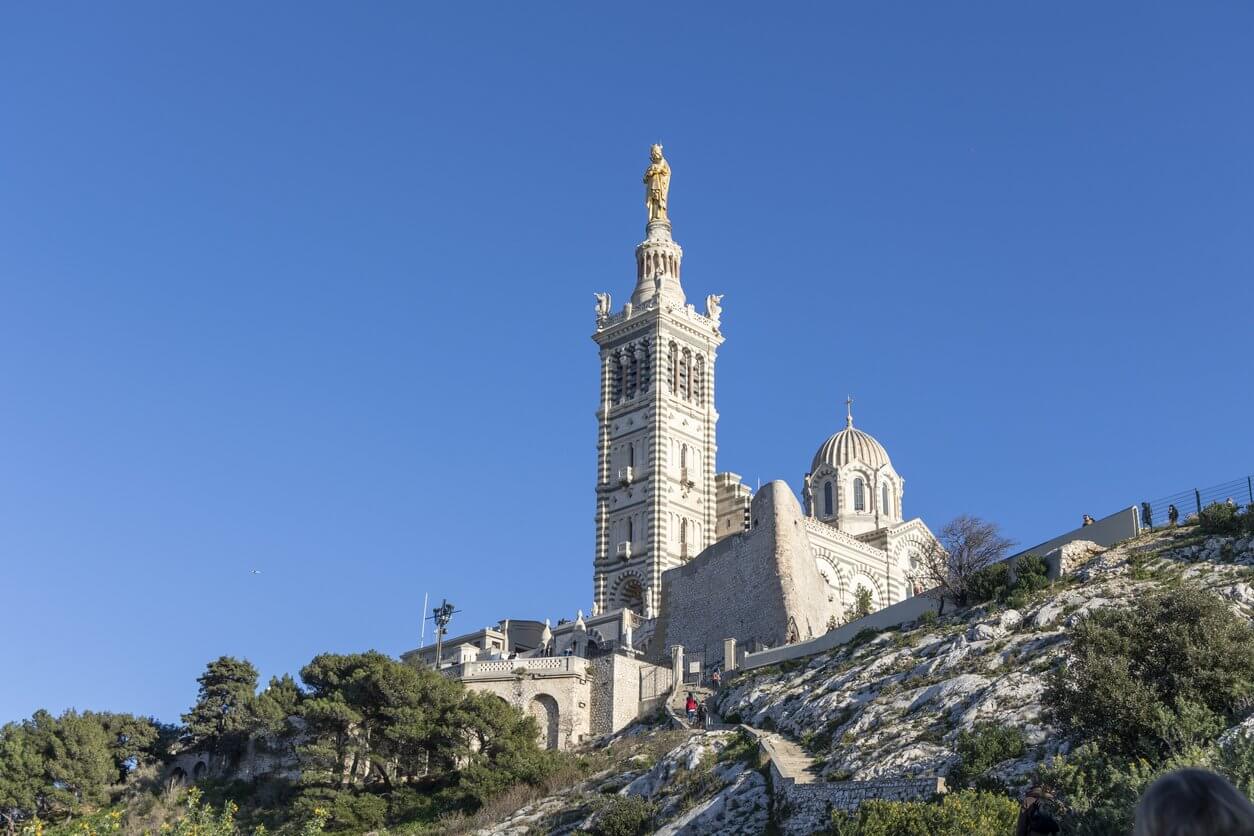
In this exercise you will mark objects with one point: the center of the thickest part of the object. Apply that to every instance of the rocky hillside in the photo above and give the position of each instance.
(888, 705)
(707, 783)
(894, 704)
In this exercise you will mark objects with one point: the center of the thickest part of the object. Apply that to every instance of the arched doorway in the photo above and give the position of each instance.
(544, 709)
(632, 595)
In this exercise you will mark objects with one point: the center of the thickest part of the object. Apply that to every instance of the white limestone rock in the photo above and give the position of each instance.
(1241, 731)
(685, 757)
(1241, 593)
(741, 807)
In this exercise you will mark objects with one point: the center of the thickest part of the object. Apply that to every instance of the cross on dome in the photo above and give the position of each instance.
(848, 410)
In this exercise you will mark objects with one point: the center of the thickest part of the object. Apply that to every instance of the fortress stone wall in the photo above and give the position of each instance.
(760, 587)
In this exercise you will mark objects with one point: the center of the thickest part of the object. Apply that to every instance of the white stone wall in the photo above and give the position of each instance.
(617, 700)
(761, 587)
(571, 692)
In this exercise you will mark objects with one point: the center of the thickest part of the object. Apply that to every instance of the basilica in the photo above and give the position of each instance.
(686, 555)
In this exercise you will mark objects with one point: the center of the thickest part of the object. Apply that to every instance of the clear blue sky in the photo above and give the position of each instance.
(307, 288)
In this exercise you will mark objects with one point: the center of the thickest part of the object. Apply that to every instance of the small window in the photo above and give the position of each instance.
(827, 499)
(859, 495)
(631, 455)
(885, 508)
(631, 530)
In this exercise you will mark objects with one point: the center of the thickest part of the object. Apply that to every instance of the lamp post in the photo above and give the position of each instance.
(442, 615)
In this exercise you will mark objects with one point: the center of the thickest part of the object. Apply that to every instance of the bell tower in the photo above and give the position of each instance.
(655, 498)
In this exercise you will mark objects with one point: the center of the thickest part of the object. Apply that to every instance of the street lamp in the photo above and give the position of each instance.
(442, 614)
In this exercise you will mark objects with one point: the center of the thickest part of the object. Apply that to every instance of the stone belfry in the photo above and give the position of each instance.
(655, 422)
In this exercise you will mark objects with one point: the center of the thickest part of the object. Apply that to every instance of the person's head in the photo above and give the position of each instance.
(1193, 802)
(655, 153)
(1033, 795)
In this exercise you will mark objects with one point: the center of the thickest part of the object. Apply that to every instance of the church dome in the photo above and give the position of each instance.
(850, 445)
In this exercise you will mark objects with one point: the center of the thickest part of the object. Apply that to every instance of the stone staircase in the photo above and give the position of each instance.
(679, 697)
(790, 760)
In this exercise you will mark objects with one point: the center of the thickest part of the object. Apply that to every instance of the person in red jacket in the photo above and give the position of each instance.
(690, 706)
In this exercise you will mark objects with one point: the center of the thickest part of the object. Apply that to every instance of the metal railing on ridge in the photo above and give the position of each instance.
(1192, 501)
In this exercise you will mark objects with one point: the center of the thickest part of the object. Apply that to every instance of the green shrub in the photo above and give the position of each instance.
(863, 636)
(743, 748)
(988, 583)
(1220, 518)
(965, 813)
(985, 746)
(1155, 678)
(1031, 573)
(928, 618)
(1095, 793)
(624, 816)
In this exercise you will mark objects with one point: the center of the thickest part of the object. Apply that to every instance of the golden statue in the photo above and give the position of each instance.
(657, 182)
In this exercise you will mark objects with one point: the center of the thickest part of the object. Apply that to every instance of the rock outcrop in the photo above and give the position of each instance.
(895, 705)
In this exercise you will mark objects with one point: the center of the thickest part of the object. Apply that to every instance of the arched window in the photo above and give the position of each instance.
(685, 375)
(631, 530)
(827, 499)
(698, 383)
(672, 379)
(859, 494)
(631, 454)
(885, 507)
(683, 537)
(683, 457)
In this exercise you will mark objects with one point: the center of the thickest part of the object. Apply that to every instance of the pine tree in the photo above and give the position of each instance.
(225, 709)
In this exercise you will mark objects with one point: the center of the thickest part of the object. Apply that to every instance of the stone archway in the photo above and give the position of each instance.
(544, 708)
(631, 595)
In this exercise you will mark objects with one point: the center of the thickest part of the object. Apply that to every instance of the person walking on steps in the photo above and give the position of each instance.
(716, 679)
(690, 707)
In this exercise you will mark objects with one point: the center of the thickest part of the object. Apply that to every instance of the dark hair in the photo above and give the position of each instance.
(1193, 802)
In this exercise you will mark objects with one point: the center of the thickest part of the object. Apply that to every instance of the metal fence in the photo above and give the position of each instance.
(1192, 501)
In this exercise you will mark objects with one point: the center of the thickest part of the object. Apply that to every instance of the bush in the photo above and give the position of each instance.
(1151, 680)
(988, 583)
(624, 816)
(965, 813)
(1031, 573)
(1220, 518)
(982, 748)
(1096, 794)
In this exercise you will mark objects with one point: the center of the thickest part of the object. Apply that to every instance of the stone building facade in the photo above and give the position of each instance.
(685, 555)
(655, 492)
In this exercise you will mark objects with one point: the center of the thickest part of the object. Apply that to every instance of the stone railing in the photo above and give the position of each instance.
(628, 311)
(545, 665)
(807, 808)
